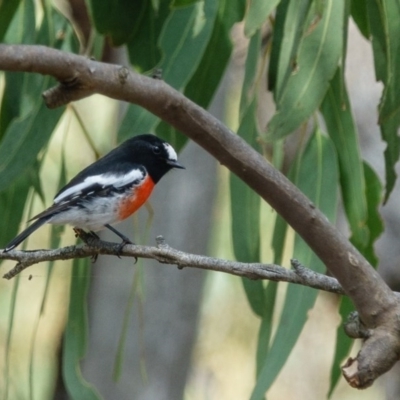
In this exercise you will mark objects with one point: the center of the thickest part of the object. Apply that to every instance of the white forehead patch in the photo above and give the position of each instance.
(171, 152)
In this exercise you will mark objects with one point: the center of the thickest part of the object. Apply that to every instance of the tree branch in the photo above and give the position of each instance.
(80, 77)
(168, 255)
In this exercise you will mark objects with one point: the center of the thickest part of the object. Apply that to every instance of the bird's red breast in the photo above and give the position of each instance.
(136, 198)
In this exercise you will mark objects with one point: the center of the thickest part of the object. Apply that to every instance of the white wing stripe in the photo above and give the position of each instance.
(104, 180)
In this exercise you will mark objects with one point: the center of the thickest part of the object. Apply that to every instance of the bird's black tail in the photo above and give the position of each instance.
(24, 234)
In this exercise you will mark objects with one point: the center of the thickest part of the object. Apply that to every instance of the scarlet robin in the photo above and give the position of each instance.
(109, 190)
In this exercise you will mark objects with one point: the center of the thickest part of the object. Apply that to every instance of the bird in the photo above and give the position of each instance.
(109, 190)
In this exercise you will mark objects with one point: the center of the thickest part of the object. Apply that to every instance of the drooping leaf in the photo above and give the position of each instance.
(374, 195)
(7, 11)
(183, 3)
(245, 203)
(249, 89)
(183, 40)
(117, 19)
(143, 47)
(74, 347)
(343, 344)
(257, 13)
(316, 175)
(383, 17)
(24, 138)
(342, 129)
(360, 16)
(217, 54)
(245, 210)
(318, 55)
(290, 24)
(12, 204)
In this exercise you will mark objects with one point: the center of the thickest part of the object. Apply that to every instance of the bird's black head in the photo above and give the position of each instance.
(156, 155)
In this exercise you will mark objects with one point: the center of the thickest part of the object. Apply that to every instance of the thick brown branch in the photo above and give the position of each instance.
(80, 77)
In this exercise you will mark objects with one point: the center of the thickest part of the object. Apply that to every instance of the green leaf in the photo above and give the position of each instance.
(257, 13)
(383, 17)
(12, 204)
(7, 11)
(290, 24)
(176, 139)
(74, 347)
(24, 138)
(360, 16)
(374, 197)
(245, 210)
(183, 3)
(264, 334)
(316, 174)
(117, 19)
(342, 129)
(183, 40)
(318, 56)
(249, 88)
(22, 27)
(343, 344)
(143, 47)
(205, 80)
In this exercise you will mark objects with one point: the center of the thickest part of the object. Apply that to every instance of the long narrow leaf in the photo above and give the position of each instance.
(342, 130)
(290, 24)
(257, 13)
(183, 40)
(317, 177)
(316, 63)
(76, 335)
(383, 18)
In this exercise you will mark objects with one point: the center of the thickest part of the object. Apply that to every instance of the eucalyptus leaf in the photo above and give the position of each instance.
(318, 56)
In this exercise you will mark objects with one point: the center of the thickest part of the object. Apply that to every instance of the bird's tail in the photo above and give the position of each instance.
(24, 234)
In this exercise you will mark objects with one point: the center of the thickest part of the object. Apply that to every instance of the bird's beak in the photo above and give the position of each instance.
(175, 164)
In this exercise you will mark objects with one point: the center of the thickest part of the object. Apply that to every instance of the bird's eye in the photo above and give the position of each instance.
(157, 150)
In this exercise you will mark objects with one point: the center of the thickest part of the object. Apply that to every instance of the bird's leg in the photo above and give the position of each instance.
(125, 240)
(87, 237)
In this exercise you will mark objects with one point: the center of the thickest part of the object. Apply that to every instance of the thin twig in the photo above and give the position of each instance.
(168, 255)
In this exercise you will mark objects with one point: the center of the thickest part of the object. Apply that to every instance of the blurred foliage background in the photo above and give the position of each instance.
(298, 81)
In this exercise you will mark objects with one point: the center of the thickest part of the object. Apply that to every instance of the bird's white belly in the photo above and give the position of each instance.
(92, 215)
